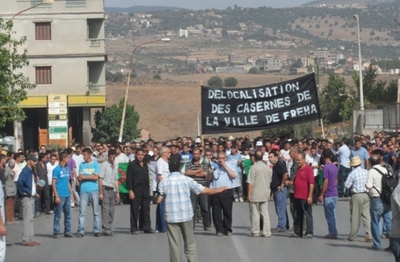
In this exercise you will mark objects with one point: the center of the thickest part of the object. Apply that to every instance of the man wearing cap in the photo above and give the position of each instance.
(359, 201)
(27, 191)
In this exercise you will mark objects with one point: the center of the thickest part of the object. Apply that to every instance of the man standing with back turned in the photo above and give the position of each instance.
(259, 181)
(179, 212)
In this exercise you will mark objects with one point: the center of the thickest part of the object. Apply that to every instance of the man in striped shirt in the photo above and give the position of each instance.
(199, 173)
(359, 202)
(179, 211)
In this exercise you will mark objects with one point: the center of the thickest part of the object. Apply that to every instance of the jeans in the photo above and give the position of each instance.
(344, 173)
(65, 205)
(395, 247)
(28, 204)
(378, 209)
(330, 213)
(387, 222)
(93, 199)
(161, 223)
(280, 198)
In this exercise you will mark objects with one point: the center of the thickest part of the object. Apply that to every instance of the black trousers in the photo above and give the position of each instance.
(45, 199)
(140, 203)
(302, 209)
(222, 204)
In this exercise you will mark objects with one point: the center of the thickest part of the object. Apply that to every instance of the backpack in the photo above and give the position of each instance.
(389, 183)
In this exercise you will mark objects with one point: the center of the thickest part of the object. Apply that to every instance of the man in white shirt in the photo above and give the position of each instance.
(344, 169)
(285, 154)
(312, 160)
(53, 163)
(121, 157)
(378, 207)
(162, 173)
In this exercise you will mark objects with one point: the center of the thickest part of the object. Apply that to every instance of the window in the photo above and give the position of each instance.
(43, 75)
(43, 31)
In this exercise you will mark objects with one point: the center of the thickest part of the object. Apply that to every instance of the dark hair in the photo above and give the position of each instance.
(139, 150)
(274, 152)
(112, 152)
(69, 150)
(378, 152)
(174, 166)
(258, 156)
(357, 140)
(87, 150)
(375, 159)
(327, 153)
(63, 155)
(41, 156)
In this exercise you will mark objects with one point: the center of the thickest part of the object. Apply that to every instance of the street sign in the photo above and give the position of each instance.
(58, 111)
(58, 136)
(57, 117)
(57, 98)
(59, 123)
(58, 129)
(57, 104)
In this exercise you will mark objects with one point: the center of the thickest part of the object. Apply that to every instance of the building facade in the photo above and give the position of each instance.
(66, 53)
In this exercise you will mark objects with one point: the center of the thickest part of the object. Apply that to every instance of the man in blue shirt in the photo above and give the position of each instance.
(27, 191)
(186, 156)
(222, 203)
(237, 158)
(361, 152)
(179, 211)
(62, 196)
(91, 192)
(344, 169)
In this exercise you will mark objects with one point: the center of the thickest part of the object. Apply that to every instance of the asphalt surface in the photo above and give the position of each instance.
(154, 247)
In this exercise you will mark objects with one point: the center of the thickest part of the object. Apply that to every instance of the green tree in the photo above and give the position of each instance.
(13, 84)
(108, 121)
(332, 99)
(253, 70)
(230, 82)
(157, 77)
(215, 81)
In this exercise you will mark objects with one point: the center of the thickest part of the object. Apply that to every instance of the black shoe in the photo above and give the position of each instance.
(97, 234)
(57, 236)
(135, 232)
(79, 235)
(151, 231)
(69, 235)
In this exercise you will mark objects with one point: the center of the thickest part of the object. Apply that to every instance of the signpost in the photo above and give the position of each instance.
(58, 120)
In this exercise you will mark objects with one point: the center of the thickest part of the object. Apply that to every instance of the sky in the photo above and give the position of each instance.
(206, 4)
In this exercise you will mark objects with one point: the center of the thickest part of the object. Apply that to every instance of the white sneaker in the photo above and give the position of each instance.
(236, 200)
(241, 200)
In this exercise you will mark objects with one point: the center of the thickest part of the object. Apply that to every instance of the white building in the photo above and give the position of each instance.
(65, 43)
(183, 32)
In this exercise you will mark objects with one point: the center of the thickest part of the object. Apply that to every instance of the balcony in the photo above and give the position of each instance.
(94, 42)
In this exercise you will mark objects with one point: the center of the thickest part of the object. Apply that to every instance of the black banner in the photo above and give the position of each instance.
(256, 108)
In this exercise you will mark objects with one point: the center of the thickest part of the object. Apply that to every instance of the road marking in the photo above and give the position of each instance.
(244, 257)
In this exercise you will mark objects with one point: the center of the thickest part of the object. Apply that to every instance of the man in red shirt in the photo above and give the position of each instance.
(303, 185)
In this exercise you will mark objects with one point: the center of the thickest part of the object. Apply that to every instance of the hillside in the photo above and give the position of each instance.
(138, 9)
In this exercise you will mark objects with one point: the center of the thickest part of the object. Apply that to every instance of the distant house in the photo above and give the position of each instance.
(183, 32)
(237, 58)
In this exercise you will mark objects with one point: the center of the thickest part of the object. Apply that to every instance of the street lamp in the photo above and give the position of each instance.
(121, 129)
(16, 141)
(360, 73)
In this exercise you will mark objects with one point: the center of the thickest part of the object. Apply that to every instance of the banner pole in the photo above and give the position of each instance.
(200, 130)
(322, 128)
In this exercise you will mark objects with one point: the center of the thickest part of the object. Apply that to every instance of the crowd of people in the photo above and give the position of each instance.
(198, 180)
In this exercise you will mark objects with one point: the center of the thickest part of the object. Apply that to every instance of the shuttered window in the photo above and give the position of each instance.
(43, 31)
(43, 75)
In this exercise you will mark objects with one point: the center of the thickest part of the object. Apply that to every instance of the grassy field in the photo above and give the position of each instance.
(168, 108)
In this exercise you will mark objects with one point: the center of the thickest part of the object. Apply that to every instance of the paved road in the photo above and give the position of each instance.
(154, 247)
